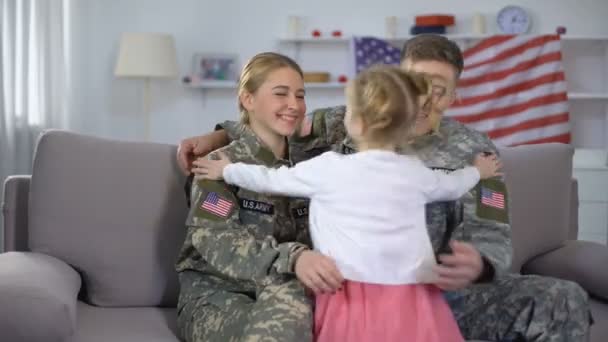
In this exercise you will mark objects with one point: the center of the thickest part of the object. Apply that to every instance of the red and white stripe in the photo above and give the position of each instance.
(513, 88)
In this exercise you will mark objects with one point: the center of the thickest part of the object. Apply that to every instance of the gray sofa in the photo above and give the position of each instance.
(91, 238)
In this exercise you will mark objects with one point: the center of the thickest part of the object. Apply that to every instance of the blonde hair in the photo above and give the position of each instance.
(255, 73)
(385, 98)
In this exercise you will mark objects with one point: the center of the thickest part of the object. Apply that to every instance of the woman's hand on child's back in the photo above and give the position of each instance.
(318, 272)
(211, 168)
(488, 165)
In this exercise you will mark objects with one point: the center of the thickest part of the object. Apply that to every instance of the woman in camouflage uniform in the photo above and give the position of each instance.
(237, 268)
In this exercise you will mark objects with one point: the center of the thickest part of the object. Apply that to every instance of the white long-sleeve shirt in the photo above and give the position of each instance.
(367, 210)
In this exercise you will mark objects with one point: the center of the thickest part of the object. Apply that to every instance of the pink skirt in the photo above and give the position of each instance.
(371, 312)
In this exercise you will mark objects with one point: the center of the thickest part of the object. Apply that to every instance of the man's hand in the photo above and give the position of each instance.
(318, 272)
(191, 148)
(488, 165)
(305, 128)
(211, 169)
(459, 269)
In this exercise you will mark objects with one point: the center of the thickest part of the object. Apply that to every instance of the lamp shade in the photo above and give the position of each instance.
(146, 55)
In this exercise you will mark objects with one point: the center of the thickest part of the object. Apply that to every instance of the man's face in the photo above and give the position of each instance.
(443, 81)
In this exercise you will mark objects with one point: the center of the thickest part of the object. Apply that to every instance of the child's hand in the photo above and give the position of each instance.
(488, 165)
(211, 169)
(318, 272)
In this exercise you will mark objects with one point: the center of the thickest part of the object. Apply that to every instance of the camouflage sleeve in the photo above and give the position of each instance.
(327, 131)
(486, 222)
(227, 245)
(233, 129)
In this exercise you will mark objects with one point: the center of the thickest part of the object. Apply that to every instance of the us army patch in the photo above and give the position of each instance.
(492, 200)
(257, 206)
(299, 212)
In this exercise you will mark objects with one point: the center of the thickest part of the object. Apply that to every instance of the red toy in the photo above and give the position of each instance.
(337, 33)
(342, 79)
(316, 33)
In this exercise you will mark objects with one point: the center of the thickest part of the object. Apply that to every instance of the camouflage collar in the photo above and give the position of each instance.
(259, 149)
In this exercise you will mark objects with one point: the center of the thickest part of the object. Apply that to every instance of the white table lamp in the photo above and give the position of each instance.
(147, 56)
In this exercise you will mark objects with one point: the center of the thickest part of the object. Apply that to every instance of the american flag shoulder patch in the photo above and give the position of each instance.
(492, 202)
(217, 205)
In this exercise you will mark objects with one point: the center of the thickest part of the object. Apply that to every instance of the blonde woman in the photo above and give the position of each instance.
(246, 254)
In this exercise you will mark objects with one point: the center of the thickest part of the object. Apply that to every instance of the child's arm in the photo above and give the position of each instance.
(452, 186)
(300, 180)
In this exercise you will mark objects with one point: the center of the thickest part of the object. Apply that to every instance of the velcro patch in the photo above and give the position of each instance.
(492, 201)
(257, 206)
(444, 169)
(217, 205)
(299, 212)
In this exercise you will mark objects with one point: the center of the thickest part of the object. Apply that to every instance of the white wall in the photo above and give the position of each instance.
(110, 107)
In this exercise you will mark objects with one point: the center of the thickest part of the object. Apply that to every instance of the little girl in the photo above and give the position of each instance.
(367, 213)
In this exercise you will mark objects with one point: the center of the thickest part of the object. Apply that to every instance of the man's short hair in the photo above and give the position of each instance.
(433, 47)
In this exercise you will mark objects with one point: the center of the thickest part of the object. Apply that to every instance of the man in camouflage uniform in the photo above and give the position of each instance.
(488, 302)
(236, 268)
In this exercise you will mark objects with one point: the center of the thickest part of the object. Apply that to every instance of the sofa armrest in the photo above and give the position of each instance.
(583, 262)
(14, 210)
(574, 205)
(38, 295)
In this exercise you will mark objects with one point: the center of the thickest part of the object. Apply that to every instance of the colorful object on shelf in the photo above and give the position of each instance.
(432, 23)
(560, 30)
(336, 33)
(342, 79)
(316, 33)
(316, 77)
(479, 23)
(427, 29)
(435, 20)
(294, 26)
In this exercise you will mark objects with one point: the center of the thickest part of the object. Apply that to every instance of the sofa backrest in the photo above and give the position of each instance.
(539, 182)
(113, 210)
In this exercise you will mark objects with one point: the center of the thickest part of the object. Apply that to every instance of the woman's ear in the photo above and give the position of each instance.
(247, 100)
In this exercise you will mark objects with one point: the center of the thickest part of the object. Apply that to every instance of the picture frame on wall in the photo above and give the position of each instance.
(215, 67)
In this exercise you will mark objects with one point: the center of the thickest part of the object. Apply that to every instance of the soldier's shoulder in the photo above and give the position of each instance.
(237, 150)
(457, 130)
(330, 110)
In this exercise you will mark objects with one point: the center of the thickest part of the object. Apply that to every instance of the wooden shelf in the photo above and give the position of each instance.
(233, 85)
(453, 36)
(587, 96)
(320, 40)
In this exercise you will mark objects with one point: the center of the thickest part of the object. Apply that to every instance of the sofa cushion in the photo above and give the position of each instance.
(125, 324)
(36, 288)
(538, 179)
(113, 210)
(577, 261)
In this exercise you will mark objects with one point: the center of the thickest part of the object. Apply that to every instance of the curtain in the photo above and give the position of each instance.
(34, 77)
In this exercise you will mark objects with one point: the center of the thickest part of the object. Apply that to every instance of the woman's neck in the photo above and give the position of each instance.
(275, 142)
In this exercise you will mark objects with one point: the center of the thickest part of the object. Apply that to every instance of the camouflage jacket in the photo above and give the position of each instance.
(239, 240)
(485, 224)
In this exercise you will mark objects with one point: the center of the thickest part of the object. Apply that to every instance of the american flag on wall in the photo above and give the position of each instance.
(369, 51)
(513, 88)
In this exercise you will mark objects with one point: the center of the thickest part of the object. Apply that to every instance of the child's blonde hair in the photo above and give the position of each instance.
(256, 71)
(385, 98)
